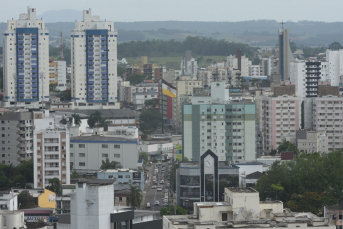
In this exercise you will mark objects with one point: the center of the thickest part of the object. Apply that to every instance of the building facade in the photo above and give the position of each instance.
(16, 137)
(94, 63)
(285, 54)
(279, 116)
(51, 156)
(311, 141)
(226, 128)
(123, 176)
(325, 115)
(26, 61)
(57, 74)
(88, 152)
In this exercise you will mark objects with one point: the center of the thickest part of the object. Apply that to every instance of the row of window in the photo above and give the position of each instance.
(104, 146)
(103, 155)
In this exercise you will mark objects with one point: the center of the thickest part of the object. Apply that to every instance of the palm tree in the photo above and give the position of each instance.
(110, 165)
(135, 197)
(77, 119)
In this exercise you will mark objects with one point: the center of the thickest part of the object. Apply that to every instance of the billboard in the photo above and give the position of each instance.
(37, 218)
(52, 197)
(136, 176)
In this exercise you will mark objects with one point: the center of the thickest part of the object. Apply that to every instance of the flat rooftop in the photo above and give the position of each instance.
(96, 138)
(241, 190)
(206, 204)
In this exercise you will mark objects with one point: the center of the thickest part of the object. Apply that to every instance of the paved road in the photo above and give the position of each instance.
(152, 195)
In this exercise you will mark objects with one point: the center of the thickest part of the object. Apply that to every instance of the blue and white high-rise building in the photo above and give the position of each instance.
(94, 63)
(26, 61)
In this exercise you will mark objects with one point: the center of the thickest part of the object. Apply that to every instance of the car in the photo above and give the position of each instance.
(165, 195)
(159, 189)
(154, 187)
(148, 205)
(157, 203)
(162, 182)
(166, 190)
(168, 185)
(165, 205)
(165, 200)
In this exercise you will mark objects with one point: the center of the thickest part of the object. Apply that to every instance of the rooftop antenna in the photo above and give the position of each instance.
(282, 23)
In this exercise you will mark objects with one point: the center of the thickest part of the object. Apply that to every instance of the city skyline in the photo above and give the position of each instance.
(153, 10)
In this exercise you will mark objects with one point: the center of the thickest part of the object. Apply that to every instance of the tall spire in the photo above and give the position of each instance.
(282, 23)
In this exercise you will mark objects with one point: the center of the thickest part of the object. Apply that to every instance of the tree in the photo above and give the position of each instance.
(335, 46)
(310, 202)
(74, 175)
(136, 78)
(277, 188)
(19, 181)
(110, 165)
(151, 102)
(52, 86)
(149, 120)
(77, 119)
(172, 176)
(293, 46)
(144, 156)
(135, 197)
(4, 182)
(65, 95)
(120, 71)
(96, 120)
(170, 210)
(25, 200)
(55, 186)
(25, 169)
(287, 146)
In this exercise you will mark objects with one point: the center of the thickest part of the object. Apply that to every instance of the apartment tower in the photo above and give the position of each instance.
(26, 61)
(94, 63)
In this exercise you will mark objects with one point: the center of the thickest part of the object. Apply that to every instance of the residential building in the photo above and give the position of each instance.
(279, 116)
(334, 60)
(285, 88)
(334, 213)
(266, 67)
(254, 70)
(26, 61)
(51, 156)
(285, 54)
(192, 177)
(90, 207)
(311, 141)
(189, 65)
(324, 114)
(127, 132)
(8, 201)
(88, 152)
(216, 123)
(139, 98)
(123, 176)
(12, 219)
(242, 208)
(156, 149)
(307, 76)
(58, 74)
(94, 63)
(16, 137)
(184, 86)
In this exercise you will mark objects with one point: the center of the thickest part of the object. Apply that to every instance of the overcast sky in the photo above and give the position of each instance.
(187, 10)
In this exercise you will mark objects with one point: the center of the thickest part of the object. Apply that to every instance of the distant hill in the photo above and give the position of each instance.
(256, 33)
(65, 15)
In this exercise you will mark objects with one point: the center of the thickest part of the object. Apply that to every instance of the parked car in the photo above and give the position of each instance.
(162, 182)
(157, 203)
(159, 189)
(165, 205)
(165, 200)
(148, 205)
(154, 187)
(166, 190)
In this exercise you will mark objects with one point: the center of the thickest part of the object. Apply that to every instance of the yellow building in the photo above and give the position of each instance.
(53, 67)
(47, 199)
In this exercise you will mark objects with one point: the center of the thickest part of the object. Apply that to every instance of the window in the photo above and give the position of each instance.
(127, 176)
(80, 185)
(120, 176)
(82, 146)
(224, 216)
(82, 164)
(104, 155)
(333, 216)
(71, 146)
(82, 155)
(268, 214)
(117, 146)
(340, 217)
(104, 146)
(110, 177)
(116, 155)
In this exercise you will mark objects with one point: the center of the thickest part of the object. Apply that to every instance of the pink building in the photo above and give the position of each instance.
(279, 116)
(334, 213)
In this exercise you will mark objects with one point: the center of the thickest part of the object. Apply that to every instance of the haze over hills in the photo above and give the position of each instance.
(257, 32)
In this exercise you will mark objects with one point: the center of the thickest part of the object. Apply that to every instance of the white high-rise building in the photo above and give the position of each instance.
(94, 63)
(26, 61)
(335, 65)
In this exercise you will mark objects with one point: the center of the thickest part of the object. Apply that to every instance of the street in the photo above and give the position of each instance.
(154, 195)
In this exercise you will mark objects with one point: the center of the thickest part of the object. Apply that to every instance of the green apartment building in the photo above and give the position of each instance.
(214, 122)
